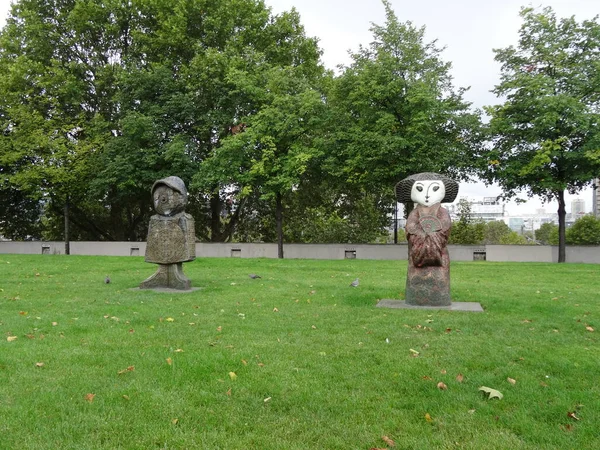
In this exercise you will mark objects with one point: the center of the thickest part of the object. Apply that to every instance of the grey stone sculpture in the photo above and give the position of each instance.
(427, 231)
(171, 236)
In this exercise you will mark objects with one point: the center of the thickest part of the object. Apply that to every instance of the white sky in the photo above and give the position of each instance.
(468, 29)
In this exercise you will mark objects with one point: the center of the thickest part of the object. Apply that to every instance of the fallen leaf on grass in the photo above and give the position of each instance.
(169, 361)
(492, 393)
(428, 417)
(275, 310)
(572, 415)
(460, 377)
(511, 380)
(543, 384)
(39, 364)
(129, 369)
(413, 352)
(11, 338)
(54, 324)
(126, 397)
(228, 392)
(388, 441)
(244, 362)
(233, 376)
(266, 400)
(442, 386)
(443, 371)
(426, 377)
(219, 328)
(589, 328)
(174, 421)
(90, 397)
(23, 313)
(169, 319)
(179, 350)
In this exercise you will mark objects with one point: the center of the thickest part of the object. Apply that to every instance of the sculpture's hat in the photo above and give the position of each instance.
(174, 183)
(404, 187)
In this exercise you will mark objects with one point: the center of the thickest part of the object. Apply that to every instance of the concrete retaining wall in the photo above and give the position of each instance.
(507, 253)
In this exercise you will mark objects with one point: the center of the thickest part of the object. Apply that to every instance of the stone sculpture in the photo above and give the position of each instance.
(427, 231)
(171, 236)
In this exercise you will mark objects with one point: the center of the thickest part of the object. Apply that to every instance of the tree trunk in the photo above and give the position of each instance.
(67, 231)
(215, 218)
(395, 222)
(279, 220)
(560, 196)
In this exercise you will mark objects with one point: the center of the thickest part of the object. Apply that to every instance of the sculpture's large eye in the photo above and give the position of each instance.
(436, 188)
(420, 188)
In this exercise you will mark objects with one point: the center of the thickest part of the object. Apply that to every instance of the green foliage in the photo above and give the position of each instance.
(395, 111)
(546, 133)
(547, 234)
(585, 231)
(326, 369)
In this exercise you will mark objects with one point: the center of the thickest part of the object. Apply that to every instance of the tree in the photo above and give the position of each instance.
(547, 233)
(395, 112)
(496, 232)
(585, 231)
(465, 230)
(546, 135)
(276, 147)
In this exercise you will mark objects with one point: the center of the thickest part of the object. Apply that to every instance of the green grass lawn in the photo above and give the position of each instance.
(296, 359)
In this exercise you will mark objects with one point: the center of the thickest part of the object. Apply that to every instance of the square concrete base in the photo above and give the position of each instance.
(454, 306)
(167, 290)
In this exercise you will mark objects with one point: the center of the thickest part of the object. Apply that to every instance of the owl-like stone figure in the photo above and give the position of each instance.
(171, 236)
(427, 232)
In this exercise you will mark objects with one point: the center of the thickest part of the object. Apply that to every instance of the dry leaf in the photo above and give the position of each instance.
(460, 377)
(126, 397)
(232, 375)
(261, 365)
(589, 328)
(90, 397)
(543, 384)
(388, 441)
(314, 327)
(174, 421)
(219, 328)
(11, 338)
(228, 392)
(526, 321)
(425, 377)
(511, 380)
(129, 369)
(492, 393)
(448, 330)
(23, 313)
(413, 352)
(179, 350)
(268, 399)
(169, 319)
(39, 364)
(572, 416)
(443, 371)
(54, 324)
(275, 310)
(169, 361)
(471, 411)
(244, 362)
(442, 386)
(428, 417)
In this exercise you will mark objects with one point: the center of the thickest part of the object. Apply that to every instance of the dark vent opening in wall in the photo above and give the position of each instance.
(236, 252)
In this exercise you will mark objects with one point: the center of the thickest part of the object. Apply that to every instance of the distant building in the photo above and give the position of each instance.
(596, 198)
(487, 209)
(577, 208)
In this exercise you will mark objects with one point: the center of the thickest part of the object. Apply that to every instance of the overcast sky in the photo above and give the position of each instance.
(468, 29)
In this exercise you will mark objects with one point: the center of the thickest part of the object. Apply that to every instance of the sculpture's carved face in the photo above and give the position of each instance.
(428, 192)
(167, 201)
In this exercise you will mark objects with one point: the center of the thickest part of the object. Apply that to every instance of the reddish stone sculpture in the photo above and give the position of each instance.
(427, 231)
